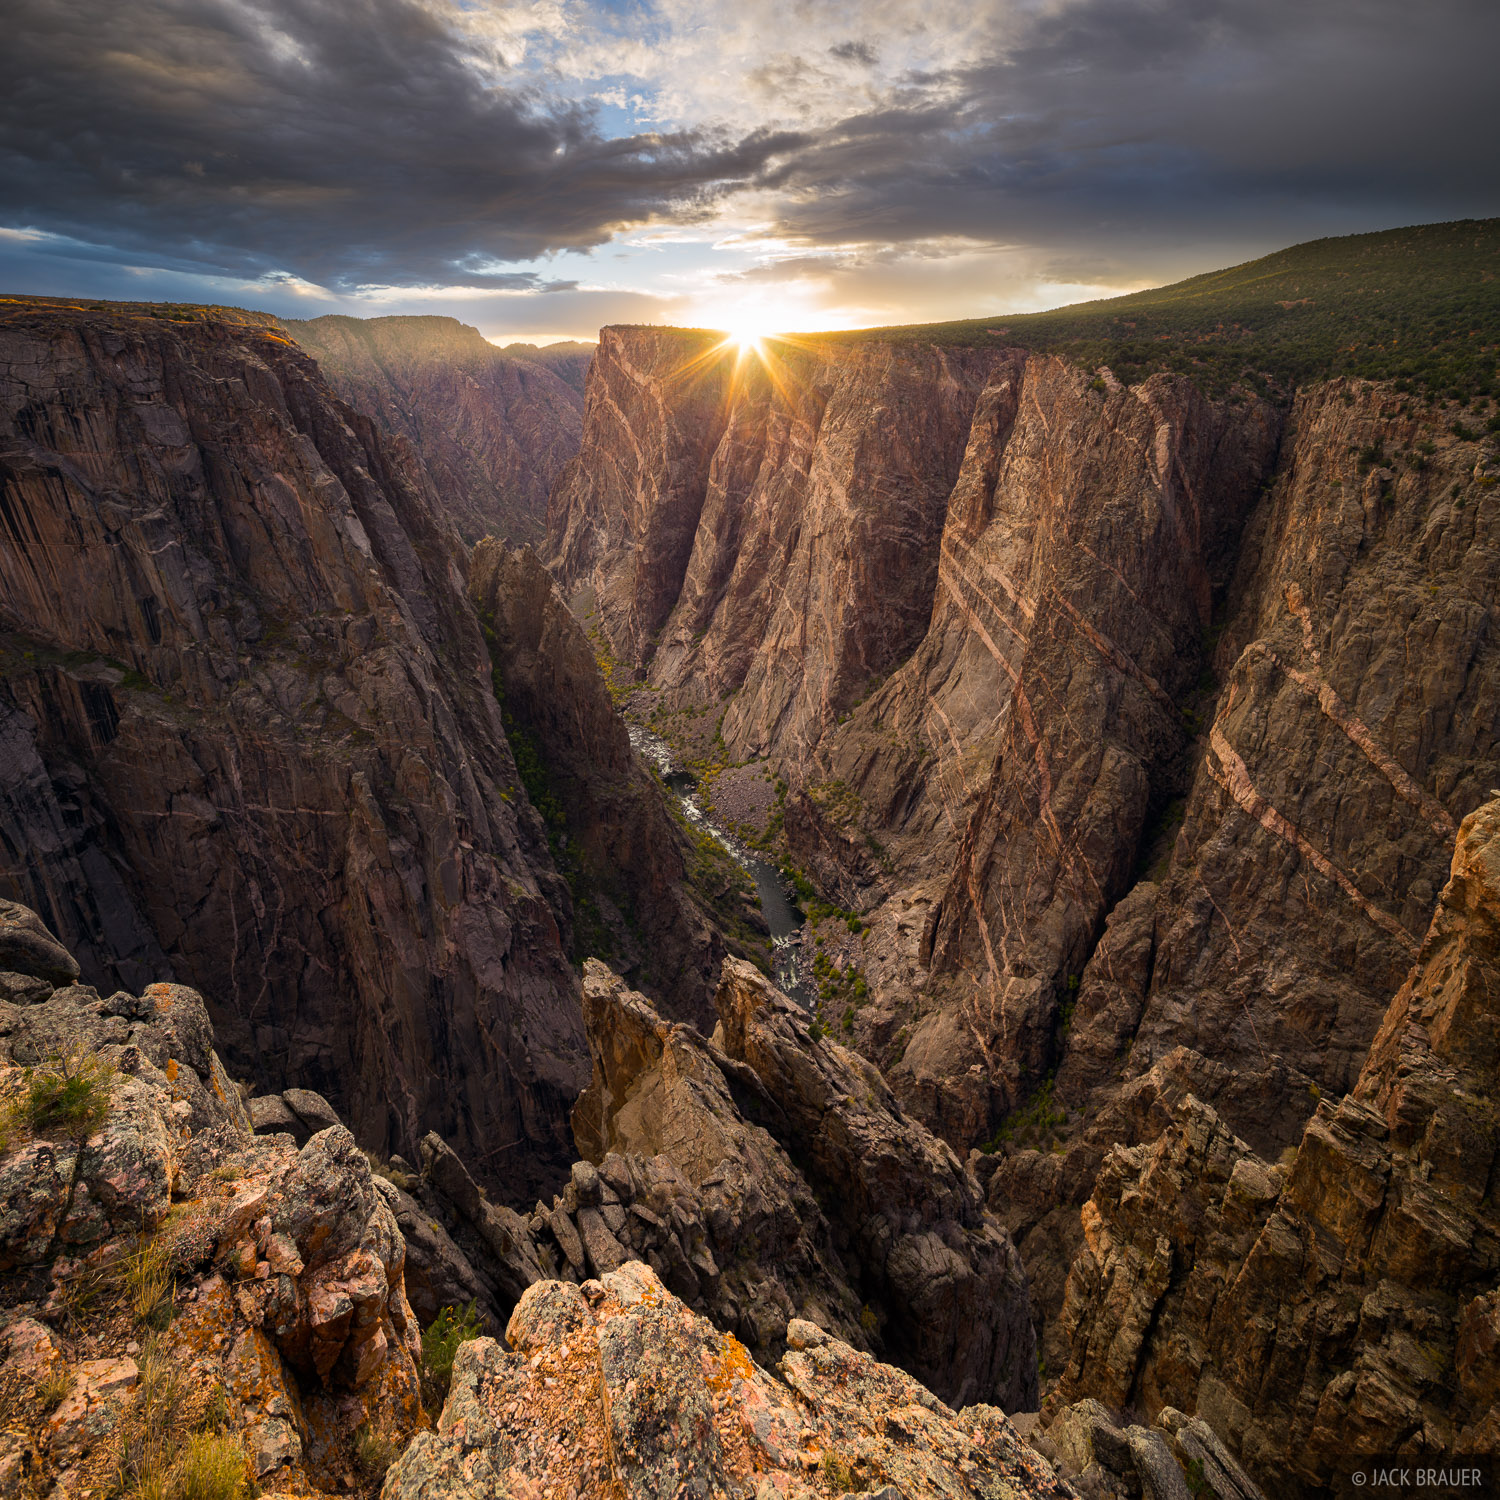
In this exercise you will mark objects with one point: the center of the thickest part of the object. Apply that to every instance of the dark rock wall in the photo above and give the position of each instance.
(249, 731)
(625, 857)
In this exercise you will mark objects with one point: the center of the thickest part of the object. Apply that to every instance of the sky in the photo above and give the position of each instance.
(542, 168)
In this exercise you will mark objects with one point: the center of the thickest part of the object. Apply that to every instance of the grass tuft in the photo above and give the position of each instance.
(170, 1452)
(54, 1386)
(210, 1466)
(68, 1095)
(452, 1327)
(145, 1276)
(394, 1175)
(374, 1452)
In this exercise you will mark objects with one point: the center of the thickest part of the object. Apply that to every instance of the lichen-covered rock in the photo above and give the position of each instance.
(282, 1270)
(617, 1388)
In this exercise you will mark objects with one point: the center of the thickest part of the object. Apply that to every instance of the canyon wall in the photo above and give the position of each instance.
(1342, 1302)
(250, 736)
(626, 860)
(763, 531)
(493, 428)
(1136, 724)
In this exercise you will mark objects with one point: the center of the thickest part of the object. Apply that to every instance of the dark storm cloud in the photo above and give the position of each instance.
(345, 141)
(1139, 121)
(354, 142)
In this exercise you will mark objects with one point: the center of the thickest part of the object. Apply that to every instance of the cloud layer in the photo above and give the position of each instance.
(843, 148)
(345, 141)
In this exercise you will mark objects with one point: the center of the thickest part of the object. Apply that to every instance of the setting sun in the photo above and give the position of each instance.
(746, 337)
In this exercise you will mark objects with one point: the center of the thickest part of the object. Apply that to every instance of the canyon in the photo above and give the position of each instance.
(1134, 725)
(1129, 735)
(251, 735)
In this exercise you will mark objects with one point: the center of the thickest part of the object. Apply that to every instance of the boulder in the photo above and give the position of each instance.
(29, 949)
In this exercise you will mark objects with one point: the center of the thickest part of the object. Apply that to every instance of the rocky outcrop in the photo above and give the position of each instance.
(493, 427)
(909, 1220)
(1106, 1458)
(905, 1226)
(765, 1176)
(625, 858)
(1340, 1303)
(299, 1113)
(680, 1129)
(253, 737)
(617, 1388)
(161, 1263)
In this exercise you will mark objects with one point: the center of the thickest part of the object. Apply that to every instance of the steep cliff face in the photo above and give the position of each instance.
(1085, 544)
(763, 530)
(569, 360)
(251, 717)
(1212, 677)
(1356, 724)
(626, 860)
(1342, 1303)
(494, 430)
(622, 518)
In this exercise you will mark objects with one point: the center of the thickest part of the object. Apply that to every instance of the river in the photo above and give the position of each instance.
(776, 904)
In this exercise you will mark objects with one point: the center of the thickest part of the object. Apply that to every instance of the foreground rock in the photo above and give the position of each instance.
(617, 1388)
(1343, 1303)
(165, 1272)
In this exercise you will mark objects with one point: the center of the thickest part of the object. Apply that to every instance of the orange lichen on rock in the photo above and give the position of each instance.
(617, 1389)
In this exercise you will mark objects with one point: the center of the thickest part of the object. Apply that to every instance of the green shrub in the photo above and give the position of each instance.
(839, 1473)
(440, 1343)
(1034, 1122)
